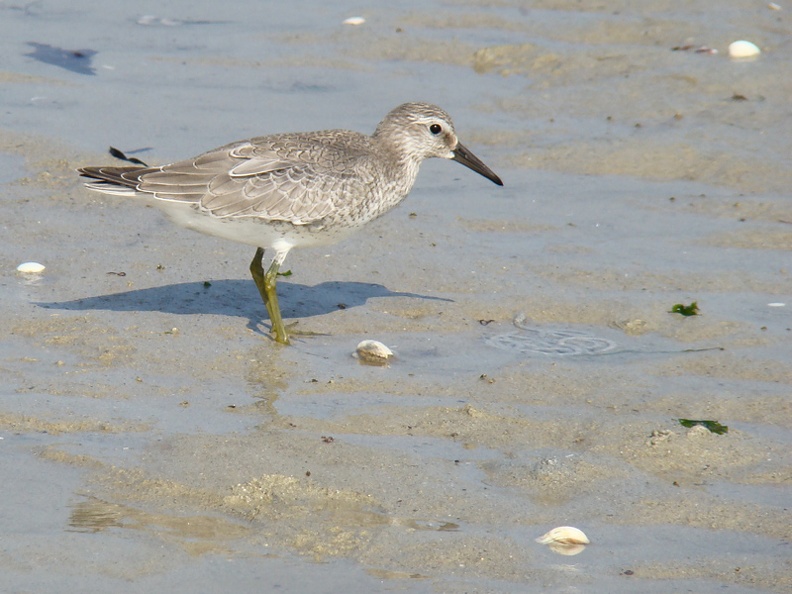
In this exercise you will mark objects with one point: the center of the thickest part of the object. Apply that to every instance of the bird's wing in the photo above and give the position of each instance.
(252, 179)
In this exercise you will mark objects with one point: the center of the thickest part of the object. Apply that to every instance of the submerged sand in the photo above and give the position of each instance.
(155, 437)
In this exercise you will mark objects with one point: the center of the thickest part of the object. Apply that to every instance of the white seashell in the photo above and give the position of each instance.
(354, 21)
(150, 19)
(30, 268)
(147, 19)
(567, 550)
(373, 352)
(565, 535)
(743, 49)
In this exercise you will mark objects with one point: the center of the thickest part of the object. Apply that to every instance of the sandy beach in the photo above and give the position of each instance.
(155, 438)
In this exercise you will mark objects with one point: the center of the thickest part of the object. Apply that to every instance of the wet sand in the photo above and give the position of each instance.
(156, 438)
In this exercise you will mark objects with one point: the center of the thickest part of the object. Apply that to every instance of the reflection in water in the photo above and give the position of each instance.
(94, 515)
(196, 534)
(432, 525)
(267, 376)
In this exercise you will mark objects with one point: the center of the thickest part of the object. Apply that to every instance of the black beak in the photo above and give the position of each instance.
(468, 159)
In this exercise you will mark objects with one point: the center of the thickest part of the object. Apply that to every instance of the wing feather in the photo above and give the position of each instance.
(294, 178)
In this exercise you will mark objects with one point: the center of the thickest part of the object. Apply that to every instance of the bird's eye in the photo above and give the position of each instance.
(435, 129)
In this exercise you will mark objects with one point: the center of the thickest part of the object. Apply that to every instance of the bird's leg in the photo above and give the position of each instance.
(266, 284)
(270, 281)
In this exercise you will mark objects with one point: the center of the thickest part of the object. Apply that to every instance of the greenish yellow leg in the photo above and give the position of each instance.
(266, 284)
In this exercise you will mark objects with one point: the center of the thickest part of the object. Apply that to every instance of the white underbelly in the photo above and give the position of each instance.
(278, 235)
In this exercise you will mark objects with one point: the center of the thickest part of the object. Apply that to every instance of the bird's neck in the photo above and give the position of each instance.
(396, 146)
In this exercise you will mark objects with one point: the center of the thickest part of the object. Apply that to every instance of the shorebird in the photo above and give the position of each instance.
(295, 189)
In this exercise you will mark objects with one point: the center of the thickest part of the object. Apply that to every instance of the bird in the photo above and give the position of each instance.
(288, 190)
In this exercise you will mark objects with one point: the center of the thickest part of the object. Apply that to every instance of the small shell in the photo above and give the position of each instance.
(743, 49)
(30, 268)
(565, 535)
(354, 20)
(373, 352)
(567, 550)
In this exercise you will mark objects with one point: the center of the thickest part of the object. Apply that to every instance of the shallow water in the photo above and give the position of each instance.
(155, 438)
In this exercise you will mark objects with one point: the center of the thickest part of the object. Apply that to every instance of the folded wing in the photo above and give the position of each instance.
(234, 181)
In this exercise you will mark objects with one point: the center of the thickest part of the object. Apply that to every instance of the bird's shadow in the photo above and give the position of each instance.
(236, 297)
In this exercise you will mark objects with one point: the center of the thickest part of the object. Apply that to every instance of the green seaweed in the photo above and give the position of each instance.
(686, 310)
(713, 426)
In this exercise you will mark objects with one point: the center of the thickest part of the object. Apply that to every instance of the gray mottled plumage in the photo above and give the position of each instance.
(287, 190)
